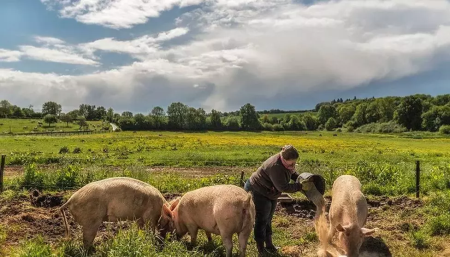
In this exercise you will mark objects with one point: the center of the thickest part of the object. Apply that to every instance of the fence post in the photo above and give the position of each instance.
(417, 179)
(2, 167)
(241, 182)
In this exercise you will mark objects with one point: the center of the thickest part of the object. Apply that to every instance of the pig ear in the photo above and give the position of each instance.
(174, 203)
(167, 211)
(367, 232)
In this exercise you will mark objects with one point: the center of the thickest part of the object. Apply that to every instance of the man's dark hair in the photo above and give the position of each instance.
(288, 152)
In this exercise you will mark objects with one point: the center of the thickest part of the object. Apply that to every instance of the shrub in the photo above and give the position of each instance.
(420, 240)
(67, 177)
(77, 150)
(64, 149)
(440, 225)
(445, 129)
(268, 126)
(278, 127)
(32, 178)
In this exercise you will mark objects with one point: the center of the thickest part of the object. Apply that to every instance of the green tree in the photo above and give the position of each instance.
(346, 113)
(66, 118)
(296, 124)
(232, 123)
(176, 113)
(5, 108)
(127, 114)
(249, 117)
(326, 112)
(50, 118)
(82, 122)
(409, 112)
(17, 112)
(216, 122)
(331, 124)
(110, 114)
(311, 122)
(359, 118)
(157, 115)
(51, 108)
(373, 112)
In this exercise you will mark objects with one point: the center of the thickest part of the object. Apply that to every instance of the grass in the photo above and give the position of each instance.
(28, 125)
(176, 162)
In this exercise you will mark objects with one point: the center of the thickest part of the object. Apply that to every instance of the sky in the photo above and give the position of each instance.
(220, 54)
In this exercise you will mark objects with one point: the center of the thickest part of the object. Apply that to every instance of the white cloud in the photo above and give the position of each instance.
(48, 40)
(9, 56)
(141, 47)
(115, 13)
(243, 51)
(55, 55)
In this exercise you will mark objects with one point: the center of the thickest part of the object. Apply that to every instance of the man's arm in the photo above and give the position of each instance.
(282, 185)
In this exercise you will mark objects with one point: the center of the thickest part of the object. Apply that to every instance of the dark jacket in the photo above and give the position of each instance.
(272, 178)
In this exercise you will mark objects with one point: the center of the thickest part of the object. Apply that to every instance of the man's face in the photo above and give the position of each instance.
(290, 164)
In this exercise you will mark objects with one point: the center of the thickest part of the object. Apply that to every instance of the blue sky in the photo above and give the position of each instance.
(286, 54)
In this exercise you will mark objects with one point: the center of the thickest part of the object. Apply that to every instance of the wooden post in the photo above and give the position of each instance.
(2, 168)
(417, 179)
(241, 182)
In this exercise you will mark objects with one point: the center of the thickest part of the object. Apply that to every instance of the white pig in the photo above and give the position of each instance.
(115, 199)
(348, 214)
(222, 210)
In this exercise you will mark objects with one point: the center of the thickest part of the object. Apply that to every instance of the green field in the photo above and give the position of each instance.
(31, 125)
(177, 162)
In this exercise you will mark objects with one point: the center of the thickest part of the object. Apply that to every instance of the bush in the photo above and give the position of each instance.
(64, 149)
(278, 127)
(77, 150)
(445, 129)
(267, 126)
(420, 240)
(440, 225)
(67, 177)
(32, 178)
(388, 127)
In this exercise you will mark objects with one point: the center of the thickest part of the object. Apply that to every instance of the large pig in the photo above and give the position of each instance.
(348, 214)
(114, 199)
(222, 210)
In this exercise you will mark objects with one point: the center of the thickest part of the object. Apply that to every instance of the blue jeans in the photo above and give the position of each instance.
(265, 208)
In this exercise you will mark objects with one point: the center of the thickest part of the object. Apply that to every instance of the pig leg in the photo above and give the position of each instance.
(228, 243)
(193, 230)
(243, 239)
(89, 233)
(208, 235)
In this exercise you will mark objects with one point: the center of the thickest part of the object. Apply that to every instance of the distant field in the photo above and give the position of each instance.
(28, 125)
(179, 162)
(386, 162)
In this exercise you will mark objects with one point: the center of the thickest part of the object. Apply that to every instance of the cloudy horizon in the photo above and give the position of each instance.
(278, 54)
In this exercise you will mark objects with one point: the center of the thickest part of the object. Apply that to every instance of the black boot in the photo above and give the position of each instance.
(269, 245)
(261, 249)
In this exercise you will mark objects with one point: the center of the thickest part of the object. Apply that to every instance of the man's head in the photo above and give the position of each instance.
(289, 155)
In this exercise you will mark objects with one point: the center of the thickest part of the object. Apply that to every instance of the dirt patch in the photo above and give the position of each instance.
(299, 208)
(39, 200)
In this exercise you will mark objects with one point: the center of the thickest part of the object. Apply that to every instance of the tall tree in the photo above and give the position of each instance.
(249, 117)
(216, 123)
(51, 108)
(5, 108)
(127, 114)
(157, 115)
(176, 113)
(66, 118)
(409, 112)
(110, 114)
(325, 112)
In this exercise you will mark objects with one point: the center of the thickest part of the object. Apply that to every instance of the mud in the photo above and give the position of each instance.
(46, 201)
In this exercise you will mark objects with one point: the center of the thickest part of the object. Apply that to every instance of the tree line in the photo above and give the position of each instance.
(414, 112)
